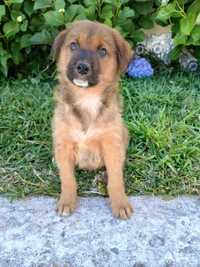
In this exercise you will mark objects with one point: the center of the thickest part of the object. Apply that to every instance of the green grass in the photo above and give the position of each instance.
(163, 117)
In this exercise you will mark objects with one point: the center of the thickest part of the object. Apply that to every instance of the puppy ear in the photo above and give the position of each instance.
(123, 51)
(58, 43)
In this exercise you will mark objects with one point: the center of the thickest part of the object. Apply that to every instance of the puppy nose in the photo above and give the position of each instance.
(83, 68)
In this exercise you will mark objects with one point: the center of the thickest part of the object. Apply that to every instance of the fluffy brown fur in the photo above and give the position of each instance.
(88, 130)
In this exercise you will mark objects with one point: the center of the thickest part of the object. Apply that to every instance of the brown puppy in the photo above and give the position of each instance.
(88, 130)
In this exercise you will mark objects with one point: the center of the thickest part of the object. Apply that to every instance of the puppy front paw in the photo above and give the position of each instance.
(66, 204)
(121, 208)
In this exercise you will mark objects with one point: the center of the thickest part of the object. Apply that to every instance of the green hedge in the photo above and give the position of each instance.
(28, 27)
(184, 15)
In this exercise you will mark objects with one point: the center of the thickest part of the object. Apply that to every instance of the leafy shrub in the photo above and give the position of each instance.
(184, 15)
(28, 27)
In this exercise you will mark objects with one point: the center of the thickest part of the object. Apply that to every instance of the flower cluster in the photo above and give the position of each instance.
(139, 67)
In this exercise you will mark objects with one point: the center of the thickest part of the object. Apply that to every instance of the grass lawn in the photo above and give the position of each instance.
(163, 117)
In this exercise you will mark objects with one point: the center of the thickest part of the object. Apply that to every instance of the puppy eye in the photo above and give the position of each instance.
(102, 51)
(74, 46)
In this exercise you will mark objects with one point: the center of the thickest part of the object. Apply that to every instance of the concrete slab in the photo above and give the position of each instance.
(160, 234)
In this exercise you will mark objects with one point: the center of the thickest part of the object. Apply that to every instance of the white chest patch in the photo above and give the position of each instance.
(81, 137)
(90, 103)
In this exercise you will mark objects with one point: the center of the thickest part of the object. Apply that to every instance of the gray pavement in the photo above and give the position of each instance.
(160, 234)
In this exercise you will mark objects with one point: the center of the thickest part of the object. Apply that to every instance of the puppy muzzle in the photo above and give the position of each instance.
(83, 69)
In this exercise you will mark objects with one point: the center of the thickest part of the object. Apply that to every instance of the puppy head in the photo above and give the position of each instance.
(89, 54)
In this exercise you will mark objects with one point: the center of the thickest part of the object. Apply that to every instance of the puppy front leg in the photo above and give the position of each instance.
(114, 156)
(64, 154)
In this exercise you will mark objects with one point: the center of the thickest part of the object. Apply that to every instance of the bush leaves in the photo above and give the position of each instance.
(41, 4)
(43, 37)
(2, 11)
(10, 28)
(27, 23)
(54, 18)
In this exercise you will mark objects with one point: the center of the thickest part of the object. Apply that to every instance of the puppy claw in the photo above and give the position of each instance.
(65, 207)
(64, 210)
(122, 210)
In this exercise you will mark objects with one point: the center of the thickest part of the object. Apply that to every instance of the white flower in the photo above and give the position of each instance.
(19, 19)
(61, 10)
(164, 2)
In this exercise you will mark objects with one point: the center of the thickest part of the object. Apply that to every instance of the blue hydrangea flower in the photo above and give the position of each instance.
(139, 67)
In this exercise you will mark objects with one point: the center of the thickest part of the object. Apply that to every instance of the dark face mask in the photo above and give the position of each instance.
(83, 68)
